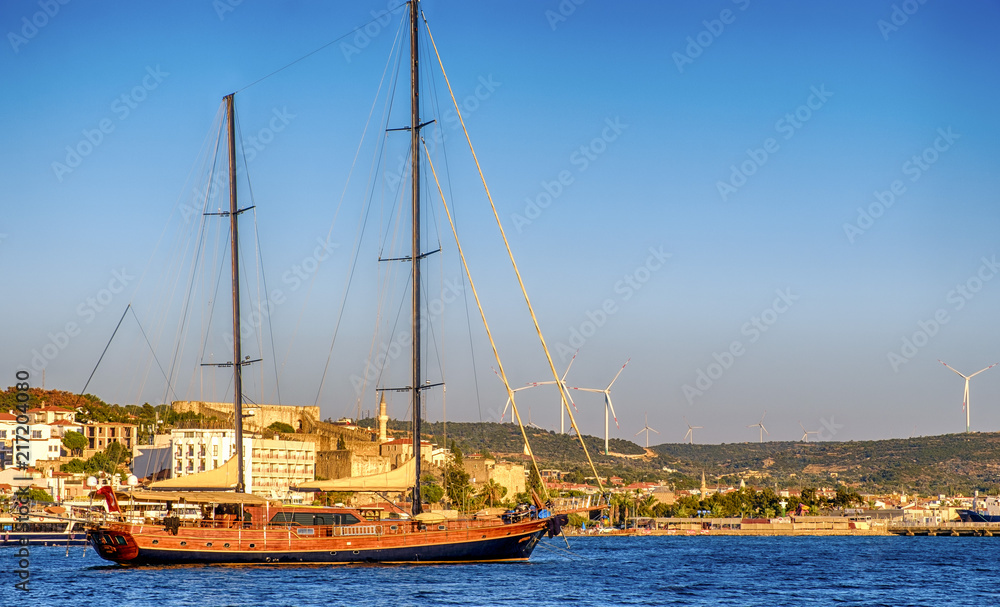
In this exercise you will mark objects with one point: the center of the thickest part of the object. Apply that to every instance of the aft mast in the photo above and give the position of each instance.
(415, 386)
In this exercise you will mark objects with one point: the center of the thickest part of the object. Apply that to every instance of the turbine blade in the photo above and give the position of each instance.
(952, 368)
(619, 373)
(764, 429)
(981, 370)
(570, 365)
(607, 396)
(657, 431)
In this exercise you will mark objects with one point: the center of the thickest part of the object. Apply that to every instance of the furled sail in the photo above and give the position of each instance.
(400, 479)
(222, 478)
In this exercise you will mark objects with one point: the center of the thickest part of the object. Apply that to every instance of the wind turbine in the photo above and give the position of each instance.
(507, 406)
(646, 429)
(690, 433)
(607, 404)
(761, 425)
(562, 380)
(965, 401)
(805, 433)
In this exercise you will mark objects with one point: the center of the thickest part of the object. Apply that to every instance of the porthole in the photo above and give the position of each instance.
(209, 544)
(226, 545)
(441, 527)
(254, 545)
(334, 553)
(357, 552)
(184, 543)
(393, 527)
(156, 542)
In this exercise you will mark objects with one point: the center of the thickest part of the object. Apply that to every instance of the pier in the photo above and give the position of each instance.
(945, 529)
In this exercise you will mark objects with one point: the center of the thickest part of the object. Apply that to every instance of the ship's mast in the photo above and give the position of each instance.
(237, 355)
(415, 176)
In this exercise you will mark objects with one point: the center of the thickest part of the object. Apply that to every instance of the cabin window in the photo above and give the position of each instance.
(253, 545)
(393, 528)
(345, 519)
(156, 542)
(441, 527)
(226, 545)
(120, 540)
(319, 520)
(209, 544)
(184, 543)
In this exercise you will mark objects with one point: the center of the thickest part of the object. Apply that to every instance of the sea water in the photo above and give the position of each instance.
(765, 571)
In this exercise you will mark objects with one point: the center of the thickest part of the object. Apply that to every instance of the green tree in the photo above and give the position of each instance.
(118, 453)
(281, 427)
(457, 483)
(39, 495)
(75, 442)
(430, 491)
(456, 454)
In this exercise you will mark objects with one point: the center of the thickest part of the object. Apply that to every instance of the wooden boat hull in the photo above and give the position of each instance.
(154, 545)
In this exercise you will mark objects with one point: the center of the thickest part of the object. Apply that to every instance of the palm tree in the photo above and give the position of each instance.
(492, 491)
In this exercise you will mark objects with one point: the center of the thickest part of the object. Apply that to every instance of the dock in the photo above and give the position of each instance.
(950, 529)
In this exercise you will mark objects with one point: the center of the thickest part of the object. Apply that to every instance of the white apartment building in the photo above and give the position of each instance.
(271, 465)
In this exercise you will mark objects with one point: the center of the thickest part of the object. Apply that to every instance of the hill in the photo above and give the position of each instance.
(927, 465)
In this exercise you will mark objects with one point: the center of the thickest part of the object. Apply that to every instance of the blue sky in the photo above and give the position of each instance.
(680, 182)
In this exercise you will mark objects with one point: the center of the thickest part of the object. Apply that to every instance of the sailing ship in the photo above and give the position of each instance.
(242, 528)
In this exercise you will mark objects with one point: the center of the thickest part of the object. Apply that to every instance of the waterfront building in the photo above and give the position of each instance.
(272, 466)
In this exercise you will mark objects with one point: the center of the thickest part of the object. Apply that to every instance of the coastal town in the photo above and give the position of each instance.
(286, 448)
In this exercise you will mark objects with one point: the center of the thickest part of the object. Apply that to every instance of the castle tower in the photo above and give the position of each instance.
(383, 419)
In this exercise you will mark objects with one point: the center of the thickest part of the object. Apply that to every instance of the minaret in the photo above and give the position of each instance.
(383, 419)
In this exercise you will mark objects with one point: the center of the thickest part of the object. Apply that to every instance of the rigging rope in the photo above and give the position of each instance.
(311, 53)
(510, 254)
(482, 313)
